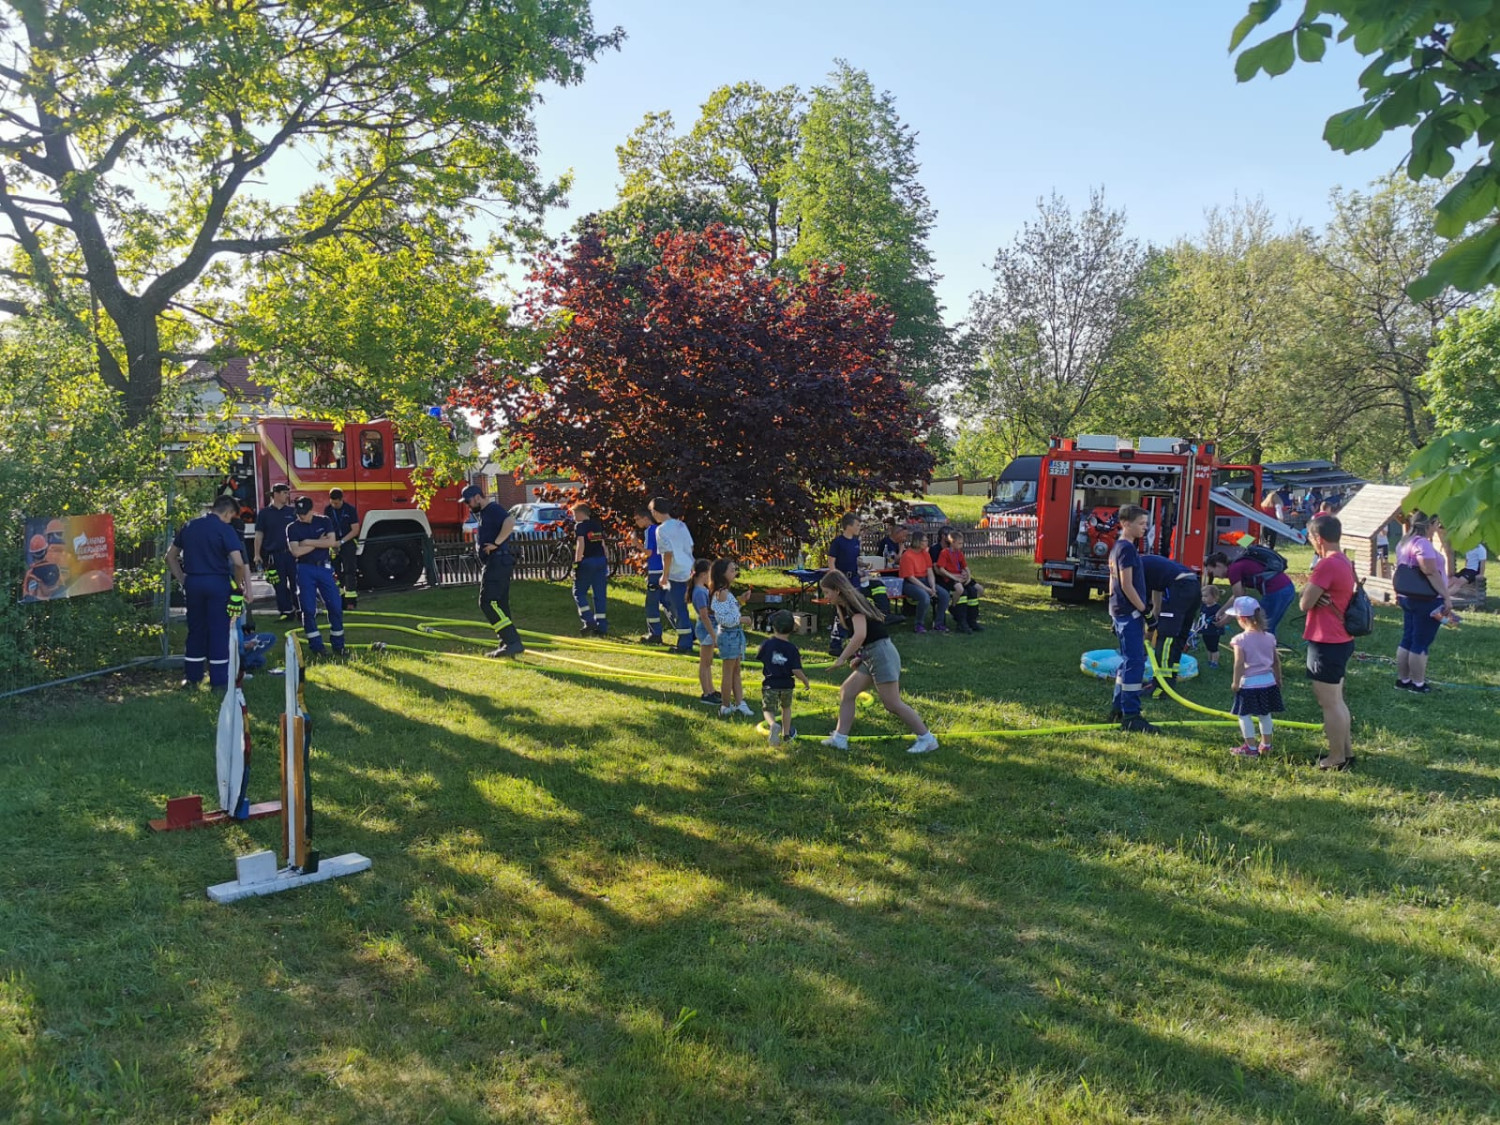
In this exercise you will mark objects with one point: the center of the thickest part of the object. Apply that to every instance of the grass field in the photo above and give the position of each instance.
(593, 902)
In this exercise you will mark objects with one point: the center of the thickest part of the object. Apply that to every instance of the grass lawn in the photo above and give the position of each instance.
(593, 902)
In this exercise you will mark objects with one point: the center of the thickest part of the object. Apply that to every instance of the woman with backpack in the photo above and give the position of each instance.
(1325, 599)
(1260, 571)
(1421, 585)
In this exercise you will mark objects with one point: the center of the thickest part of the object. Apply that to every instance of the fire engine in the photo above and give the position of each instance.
(1193, 498)
(372, 465)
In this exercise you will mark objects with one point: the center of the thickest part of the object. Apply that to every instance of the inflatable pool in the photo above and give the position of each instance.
(1104, 662)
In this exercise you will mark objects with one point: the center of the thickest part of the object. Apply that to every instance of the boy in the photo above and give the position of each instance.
(1207, 628)
(1127, 609)
(953, 572)
(782, 663)
(843, 555)
(654, 600)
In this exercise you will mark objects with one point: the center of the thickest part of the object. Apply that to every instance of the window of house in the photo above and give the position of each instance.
(318, 451)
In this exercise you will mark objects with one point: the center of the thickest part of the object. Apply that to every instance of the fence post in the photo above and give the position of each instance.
(429, 562)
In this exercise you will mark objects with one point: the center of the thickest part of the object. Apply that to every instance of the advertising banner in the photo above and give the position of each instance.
(68, 557)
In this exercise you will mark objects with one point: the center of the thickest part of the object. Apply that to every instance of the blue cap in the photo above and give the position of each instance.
(470, 492)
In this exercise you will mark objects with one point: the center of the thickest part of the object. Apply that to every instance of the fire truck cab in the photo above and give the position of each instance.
(373, 467)
(1189, 493)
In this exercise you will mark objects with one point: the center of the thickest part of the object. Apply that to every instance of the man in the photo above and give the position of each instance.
(1127, 609)
(269, 550)
(492, 543)
(311, 540)
(208, 558)
(1249, 575)
(675, 542)
(647, 527)
(1176, 598)
(345, 520)
(1330, 587)
(843, 555)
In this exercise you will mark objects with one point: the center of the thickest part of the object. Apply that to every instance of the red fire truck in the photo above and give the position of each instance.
(372, 465)
(1196, 503)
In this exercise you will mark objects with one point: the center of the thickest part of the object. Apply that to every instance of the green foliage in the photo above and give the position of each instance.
(1458, 477)
(1434, 69)
(356, 327)
(65, 450)
(1463, 374)
(423, 109)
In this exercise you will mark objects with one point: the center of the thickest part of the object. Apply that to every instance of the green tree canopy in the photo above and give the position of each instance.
(426, 109)
(1463, 378)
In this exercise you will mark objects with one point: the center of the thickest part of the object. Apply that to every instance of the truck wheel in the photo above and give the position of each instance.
(1070, 595)
(391, 562)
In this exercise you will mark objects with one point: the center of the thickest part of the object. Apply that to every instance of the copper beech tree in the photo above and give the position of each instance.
(764, 404)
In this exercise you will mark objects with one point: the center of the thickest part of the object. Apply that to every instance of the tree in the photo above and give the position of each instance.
(766, 404)
(1052, 334)
(1462, 380)
(1228, 320)
(853, 185)
(423, 109)
(733, 160)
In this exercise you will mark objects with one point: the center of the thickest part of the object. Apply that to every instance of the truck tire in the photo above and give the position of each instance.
(391, 563)
(1070, 595)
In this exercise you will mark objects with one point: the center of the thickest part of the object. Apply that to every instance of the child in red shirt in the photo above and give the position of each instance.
(953, 574)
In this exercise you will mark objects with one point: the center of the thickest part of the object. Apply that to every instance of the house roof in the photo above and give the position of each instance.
(233, 375)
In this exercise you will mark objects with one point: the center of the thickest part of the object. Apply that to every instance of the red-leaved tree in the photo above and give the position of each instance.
(765, 405)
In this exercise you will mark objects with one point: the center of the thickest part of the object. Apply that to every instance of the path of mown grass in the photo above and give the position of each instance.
(594, 903)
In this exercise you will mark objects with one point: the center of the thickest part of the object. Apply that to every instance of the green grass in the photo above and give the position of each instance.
(966, 509)
(591, 902)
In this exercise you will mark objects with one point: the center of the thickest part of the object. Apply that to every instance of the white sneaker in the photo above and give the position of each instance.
(775, 734)
(744, 709)
(837, 741)
(925, 744)
(725, 712)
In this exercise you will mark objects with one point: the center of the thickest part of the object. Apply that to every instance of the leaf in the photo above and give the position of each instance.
(1260, 11)
(1469, 200)
(1353, 130)
(1311, 44)
(1468, 266)
(1280, 53)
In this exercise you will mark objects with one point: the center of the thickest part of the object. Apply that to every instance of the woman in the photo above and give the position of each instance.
(1421, 614)
(875, 662)
(1329, 588)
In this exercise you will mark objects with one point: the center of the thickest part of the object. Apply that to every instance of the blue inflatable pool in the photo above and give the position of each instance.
(1104, 662)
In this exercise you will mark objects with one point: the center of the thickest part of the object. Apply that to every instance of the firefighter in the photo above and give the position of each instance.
(311, 541)
(492, 543)
(1127, 608)
(208, 558)
(1176, 598)
(269, 551)
(654, 599)
(345, 519)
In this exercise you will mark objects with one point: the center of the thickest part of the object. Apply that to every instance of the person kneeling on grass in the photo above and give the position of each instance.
(874, 660)
(729, 633)
(1257, 677)
(781, 663)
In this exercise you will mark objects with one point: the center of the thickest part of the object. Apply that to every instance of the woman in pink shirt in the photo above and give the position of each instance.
(1421, 616)
(1326, 596)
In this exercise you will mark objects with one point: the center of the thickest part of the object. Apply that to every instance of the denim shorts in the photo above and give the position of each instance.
(881, 661)
(732, 643)
(700, 634)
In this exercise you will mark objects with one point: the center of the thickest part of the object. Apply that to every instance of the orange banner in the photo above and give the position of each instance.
(68, 557)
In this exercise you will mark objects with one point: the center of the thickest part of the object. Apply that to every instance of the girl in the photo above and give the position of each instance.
(704, 632)
(1257, 676)
(730, 635)
(874, 660)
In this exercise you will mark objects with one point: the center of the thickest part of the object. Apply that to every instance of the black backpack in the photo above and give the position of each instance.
(1359, 614)
(1271, 561)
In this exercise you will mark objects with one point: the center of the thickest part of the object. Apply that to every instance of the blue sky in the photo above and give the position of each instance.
(1010, 101)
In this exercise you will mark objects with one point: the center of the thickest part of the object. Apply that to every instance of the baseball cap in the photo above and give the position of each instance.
(335, 494)
(470, 492)
(1243, 606)
(302, 505)
(282, 487)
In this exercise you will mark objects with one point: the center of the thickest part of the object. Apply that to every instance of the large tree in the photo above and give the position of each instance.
(425, 108)
(853, 185)
(766, 404)
(1463, 379)
(1054, 334)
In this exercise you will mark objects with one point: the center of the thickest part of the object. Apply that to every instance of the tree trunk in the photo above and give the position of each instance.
(142, 341)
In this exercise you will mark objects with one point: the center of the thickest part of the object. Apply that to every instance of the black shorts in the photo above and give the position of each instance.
(1468, 574)
(1328, 660)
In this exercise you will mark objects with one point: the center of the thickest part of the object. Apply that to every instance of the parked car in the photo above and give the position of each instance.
(926, 517)
(545, 518)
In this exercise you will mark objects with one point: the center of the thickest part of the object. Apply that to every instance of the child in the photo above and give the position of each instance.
(918, 585)
(1127, 611)
(953, 572)
(1257, 676)
(729, 636)
(874, 660)
(1207, 627)
(704, 632)
(781, 663)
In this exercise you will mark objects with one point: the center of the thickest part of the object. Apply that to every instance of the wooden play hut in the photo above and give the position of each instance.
(1364, 516)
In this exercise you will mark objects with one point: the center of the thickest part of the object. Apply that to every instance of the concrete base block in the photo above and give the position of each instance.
(257, 867)
(284, 880)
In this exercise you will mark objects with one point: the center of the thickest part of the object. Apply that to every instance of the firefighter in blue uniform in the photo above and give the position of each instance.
(310, 539)
(492, 545)
(208, 558)
(270, 551)
(345, 519)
